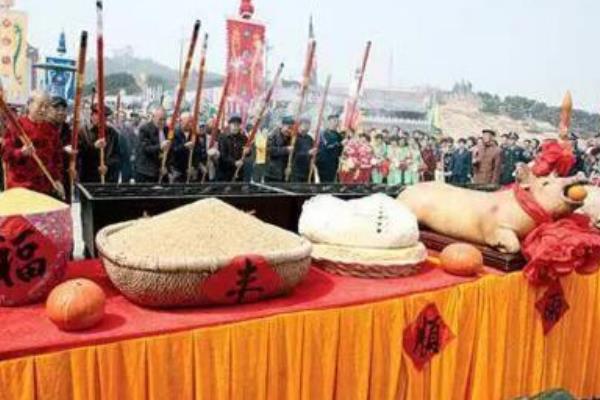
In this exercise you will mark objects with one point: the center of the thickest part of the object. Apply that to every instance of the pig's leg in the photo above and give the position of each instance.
(505, 240)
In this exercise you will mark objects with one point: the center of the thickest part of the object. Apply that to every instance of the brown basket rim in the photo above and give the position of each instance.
(369, 271)
(183, 266)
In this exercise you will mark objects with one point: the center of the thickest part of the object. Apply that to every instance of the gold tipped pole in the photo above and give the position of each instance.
(179, 100)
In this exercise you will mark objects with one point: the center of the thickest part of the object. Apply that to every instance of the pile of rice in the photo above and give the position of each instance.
(19, 201)
(208, 229)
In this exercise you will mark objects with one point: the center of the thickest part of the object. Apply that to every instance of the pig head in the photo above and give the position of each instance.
(494, 219)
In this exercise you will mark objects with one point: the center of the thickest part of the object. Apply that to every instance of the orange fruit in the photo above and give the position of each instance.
(577, 193)
(462, 259)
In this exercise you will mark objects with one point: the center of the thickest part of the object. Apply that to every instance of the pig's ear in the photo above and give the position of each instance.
(523, 175)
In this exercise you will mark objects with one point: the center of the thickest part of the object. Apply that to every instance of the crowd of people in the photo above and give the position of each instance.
(134, 146)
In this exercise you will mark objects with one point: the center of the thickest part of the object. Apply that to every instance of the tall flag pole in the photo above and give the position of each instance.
(220, 111)
(77, 108)
(317, 141)
(352, 109)
(216, 124)
(179, 100)
(100, 86)
(311, 36)
(310, 56)
(197, 105)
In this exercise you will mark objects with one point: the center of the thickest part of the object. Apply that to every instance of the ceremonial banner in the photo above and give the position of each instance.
(13, 56)
(245, 61)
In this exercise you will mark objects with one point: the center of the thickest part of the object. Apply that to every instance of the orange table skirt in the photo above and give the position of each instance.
(499, 352)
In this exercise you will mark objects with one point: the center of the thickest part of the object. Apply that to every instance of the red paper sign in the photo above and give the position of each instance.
(426, 336)
(26, 256)
(245, 55)
(247, 279)
(552, 306)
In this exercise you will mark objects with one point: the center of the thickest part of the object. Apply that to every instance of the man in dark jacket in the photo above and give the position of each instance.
(330, 150)
(232, 151)
(152, 140)
(89, 151)
(303, 152)
(512, 154)
(180, 152)
(278, 150)
(461, 164)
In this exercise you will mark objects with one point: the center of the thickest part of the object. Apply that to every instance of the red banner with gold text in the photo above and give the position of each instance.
(245, 62)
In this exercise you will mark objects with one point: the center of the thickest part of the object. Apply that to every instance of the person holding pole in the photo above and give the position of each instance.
(330, 150)
(303, 152)
(152, 141)
(232, 150)
(90, 142)
(41, 144)
(279, 147)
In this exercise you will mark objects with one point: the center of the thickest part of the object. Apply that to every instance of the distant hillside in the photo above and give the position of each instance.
(465, 113)
(143, 68)
(461, 116)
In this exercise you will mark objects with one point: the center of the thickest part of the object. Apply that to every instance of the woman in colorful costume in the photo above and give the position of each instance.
(380, 163)
(356, 160)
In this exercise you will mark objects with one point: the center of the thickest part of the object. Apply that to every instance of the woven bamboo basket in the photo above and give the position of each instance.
(365, 263)
(155, 282)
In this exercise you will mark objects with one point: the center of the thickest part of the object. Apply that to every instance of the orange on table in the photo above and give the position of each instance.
(577, 193)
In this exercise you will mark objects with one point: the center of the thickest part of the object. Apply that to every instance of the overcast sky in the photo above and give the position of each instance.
(537, 48)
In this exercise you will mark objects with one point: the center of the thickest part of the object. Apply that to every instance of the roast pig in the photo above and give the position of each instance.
(495, 219)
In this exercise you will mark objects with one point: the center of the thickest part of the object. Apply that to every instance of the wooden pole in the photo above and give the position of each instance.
(179, 100)
(318, 128)
(220, 112)
(77, 109)
(24, 138)
(100, 84)
(214, 132)
(260, 118)
(308, 67)
(361, 78)
(197, 106)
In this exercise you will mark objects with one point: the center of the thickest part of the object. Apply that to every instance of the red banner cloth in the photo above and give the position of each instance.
(557, 248)
(245, 63)
(27, 331)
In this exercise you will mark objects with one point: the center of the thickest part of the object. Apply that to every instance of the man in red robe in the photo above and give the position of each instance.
(22, 170)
